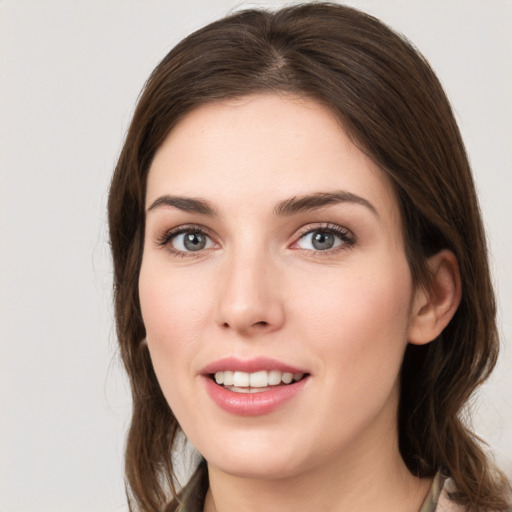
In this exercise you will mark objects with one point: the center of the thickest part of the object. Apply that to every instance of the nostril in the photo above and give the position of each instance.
(260, 324)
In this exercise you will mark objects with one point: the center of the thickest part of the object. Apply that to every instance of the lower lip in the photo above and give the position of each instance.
(253, 404)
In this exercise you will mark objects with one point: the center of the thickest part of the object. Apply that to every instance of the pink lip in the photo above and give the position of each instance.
(249, 366)
(251, 404)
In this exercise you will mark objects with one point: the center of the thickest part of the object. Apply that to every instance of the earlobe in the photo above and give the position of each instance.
(433, 308)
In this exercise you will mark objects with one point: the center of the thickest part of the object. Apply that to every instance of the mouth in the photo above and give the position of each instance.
(253, 387)
(255, 382)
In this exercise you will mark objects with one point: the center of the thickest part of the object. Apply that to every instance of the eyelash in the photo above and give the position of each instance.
(346, 237)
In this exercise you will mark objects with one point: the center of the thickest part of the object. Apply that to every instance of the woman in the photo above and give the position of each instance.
(301, 278)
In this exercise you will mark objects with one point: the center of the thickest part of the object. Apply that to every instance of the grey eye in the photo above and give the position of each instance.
(194, 241)
(322, 240)
(191, 241)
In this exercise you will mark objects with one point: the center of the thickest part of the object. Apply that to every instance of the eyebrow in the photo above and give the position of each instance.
(318, 200)
(284, 208)
(186, 204)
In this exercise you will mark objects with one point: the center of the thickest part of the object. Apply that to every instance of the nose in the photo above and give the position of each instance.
(250, 301)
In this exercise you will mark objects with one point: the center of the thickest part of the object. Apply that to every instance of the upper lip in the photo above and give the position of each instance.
(249, 365)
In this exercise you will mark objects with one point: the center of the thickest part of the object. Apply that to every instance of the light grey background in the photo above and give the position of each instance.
(70, 72)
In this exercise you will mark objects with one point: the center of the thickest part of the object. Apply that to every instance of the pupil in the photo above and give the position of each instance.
(323, 240)
(194, 241)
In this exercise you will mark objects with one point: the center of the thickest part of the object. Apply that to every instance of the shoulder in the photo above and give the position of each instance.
(445, 504)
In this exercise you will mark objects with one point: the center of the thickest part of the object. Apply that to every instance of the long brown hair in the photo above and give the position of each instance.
(394, 108)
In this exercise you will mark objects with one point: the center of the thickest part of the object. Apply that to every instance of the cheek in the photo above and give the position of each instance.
(173, 305)
(175, 310)
(356, 331)
(360, 319)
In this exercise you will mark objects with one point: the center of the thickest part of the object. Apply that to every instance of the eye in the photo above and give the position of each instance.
(186, 240)
(190, 241)
(325, 239)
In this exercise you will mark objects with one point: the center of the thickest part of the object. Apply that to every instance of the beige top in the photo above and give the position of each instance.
(437, 499)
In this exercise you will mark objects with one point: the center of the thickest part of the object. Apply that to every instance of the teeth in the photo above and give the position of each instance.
(241, 379)
(228, 378)
(274, 377)
(258, 379)
(261, 379)
(287, 378)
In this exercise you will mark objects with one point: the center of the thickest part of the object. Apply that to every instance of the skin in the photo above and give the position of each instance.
(259, 288)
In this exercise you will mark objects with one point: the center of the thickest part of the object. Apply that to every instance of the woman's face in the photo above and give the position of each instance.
(273, 251)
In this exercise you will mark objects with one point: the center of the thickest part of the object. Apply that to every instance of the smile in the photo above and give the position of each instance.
(256, 382)
(253, 387)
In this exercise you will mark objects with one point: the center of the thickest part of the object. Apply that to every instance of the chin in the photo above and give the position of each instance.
(260, 459)
(256, 468)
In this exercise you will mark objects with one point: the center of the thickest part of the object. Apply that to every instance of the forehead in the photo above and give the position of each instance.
(261, 149)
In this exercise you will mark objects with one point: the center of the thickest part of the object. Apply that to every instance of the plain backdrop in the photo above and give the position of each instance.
(70, 73)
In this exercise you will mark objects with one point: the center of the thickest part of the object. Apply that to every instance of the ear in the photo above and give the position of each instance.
(433, 308)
